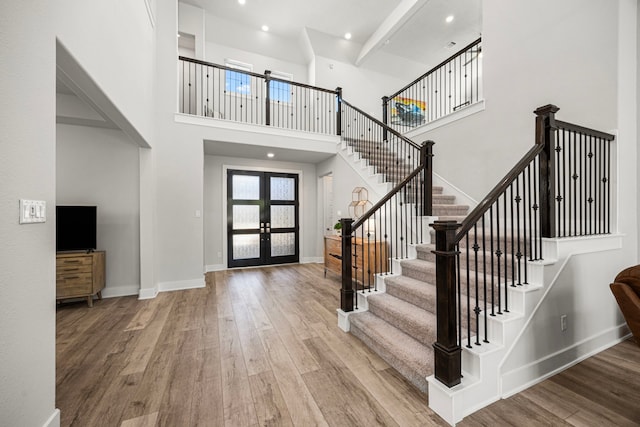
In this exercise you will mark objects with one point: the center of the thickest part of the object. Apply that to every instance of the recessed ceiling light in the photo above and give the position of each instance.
(265, 28)
(242, 1)
(449, 19)
(270, 155)
(347, 36)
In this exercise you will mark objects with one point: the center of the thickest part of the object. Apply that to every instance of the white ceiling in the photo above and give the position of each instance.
(419, 34)
(259, 152)
(287, 18)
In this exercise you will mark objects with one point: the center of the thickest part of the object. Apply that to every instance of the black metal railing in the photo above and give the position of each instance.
(583, 181)
(478, 260)
(390, 153)
(453, 84)
(221, 92)
(386, 231)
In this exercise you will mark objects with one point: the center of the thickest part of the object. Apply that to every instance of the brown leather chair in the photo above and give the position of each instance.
(626, 289)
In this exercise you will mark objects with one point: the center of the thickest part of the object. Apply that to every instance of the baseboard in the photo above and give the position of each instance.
(148, 293)
(54, 419)
(120, 291)
(181, 285)
(526, 376)
(214, 267)
(312, 260)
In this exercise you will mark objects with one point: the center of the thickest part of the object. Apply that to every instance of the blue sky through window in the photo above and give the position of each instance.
(280, 91)
(238, 82)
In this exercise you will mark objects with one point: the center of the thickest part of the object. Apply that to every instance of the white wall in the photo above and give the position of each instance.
(246, 38)
(100, 167)
(361, 87)
(215, 216)
(27, 255)
(191, 20)
(566, 58)
(115, 44)
(217, 53)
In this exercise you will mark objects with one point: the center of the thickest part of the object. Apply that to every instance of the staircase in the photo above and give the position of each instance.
(398, 320)
(466, 347)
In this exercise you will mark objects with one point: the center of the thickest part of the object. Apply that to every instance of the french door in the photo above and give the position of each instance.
(262, 218)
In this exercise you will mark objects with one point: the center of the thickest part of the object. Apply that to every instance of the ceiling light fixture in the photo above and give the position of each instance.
(270, 155)
(449, 19)
(265, 28)
(347, 36)
(242, 1)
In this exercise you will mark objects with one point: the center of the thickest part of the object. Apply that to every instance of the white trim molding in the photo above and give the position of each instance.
(214, 267)
(120, 291)
(181, 285)
(54, 419)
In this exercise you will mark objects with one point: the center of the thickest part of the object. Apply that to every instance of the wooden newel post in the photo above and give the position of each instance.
(339, 111)
(347, 292)
(385, 116)
(546, 135)
(267, 99)
(447, 351)
(426, 157)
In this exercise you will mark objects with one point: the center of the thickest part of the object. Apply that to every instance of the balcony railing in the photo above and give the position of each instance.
(220, 92)
(451, 85)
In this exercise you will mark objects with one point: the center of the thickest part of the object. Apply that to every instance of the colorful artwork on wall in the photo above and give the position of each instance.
(407, 111)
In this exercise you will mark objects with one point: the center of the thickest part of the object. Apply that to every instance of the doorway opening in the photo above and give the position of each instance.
(262, 218)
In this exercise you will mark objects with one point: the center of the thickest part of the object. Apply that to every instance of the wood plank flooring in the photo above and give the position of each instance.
(261, 347)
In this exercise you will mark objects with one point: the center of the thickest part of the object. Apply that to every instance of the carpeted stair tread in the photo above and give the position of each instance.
(443, 199)
(484, 259)
(408, 356)
(419, 293)
(445, 210)
(425, 251)
(410, 319)
(456, 218)
(426, 271)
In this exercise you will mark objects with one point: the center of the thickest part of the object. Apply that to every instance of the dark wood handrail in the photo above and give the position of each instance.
(584, 130)
(385, 127)
(455, 55)
(497, 191)
(253, 74)
(387, 197)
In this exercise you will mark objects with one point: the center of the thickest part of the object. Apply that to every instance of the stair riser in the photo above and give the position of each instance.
(505, 244)
(484, 263)
(429, 303)
(442, 210)
(416, 378)
(426, 303)
(423, 332)
(429, 276)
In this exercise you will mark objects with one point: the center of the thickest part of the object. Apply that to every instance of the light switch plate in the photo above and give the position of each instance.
(32, 211)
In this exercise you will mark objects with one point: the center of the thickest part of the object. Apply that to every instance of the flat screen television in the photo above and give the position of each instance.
(76, 228)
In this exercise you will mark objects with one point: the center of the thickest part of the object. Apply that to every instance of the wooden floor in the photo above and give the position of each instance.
(261, 347)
